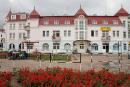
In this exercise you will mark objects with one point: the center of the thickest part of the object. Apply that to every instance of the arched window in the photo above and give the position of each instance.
(45, 46)
(115, 46)
(11, 46)
(94, 47)
(67, 47)
(20, 47)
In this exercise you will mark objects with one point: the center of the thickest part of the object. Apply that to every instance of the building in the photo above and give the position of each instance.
(15, 32)
(2, 39)
(79, 32)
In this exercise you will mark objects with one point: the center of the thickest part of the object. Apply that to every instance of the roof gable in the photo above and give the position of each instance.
(80, 12)
(34, 14)
(122, 12)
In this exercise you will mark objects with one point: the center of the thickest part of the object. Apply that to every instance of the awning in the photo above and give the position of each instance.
(82, 41)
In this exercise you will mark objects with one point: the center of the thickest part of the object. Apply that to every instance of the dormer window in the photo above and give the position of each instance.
(105, 22)
(13, 17)
(46, 22)
(67, 22)
(81, 16)
(23, 16)
(56, 22)
(94, 22)
(115, 22)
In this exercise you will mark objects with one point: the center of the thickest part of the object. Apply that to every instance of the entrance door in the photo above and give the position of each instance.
(106, 47)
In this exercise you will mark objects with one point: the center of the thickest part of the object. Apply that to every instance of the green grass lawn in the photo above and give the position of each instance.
(55, 57)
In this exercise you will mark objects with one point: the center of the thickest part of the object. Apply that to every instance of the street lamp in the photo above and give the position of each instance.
(91, 55)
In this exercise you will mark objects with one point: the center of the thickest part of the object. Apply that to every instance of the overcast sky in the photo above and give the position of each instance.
(60, 7)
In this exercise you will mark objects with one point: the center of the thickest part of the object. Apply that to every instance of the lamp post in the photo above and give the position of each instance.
(91, 56)
(119, 54)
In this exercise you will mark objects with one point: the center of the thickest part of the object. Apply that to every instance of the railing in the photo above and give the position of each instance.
(55, 38)
(105, 38)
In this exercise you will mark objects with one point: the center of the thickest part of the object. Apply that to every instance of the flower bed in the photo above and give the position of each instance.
(57, 77)
(5, 79)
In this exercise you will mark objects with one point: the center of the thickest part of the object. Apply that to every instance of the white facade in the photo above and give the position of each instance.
(79, 33)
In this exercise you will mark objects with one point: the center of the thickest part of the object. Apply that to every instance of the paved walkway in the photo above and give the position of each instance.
(98, 62)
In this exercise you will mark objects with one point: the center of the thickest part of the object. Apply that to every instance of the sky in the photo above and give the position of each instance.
(61, 7)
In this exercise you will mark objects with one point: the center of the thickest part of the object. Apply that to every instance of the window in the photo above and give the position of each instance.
(105, 22)
(81, 24)
(56, 45)
(30, 46)
(13, 35)
(96, 33)
(94, 22)
(81, 46)
(44, 34)
(13, 17)
(81, 35)
(115, 47)
(45, 46)
(65, 33)
(92, 33)
(115, 22)
(67, 22)
(47, 33)
(46, 22)
(56, 22)
(10, 35)
(94, 47)
(20, 35)
(56, 33)
(10, 27)
(23, 16)
(124, 34)
(117, 33)
(114, 34)
(124, 23)
(69, 33)
(67, 47)
(11, 46)
(125, 46)
(1, 45)
(76, 24)
(13, 26)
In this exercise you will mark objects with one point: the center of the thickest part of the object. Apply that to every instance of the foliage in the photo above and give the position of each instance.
(5, 78)
(58, 77)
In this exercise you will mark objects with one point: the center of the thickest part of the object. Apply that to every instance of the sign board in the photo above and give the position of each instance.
(105, 28)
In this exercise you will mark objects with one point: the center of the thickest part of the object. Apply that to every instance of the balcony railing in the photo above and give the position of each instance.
(105, 38)
(55, 38)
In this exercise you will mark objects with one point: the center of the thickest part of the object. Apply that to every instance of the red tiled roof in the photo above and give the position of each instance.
(34, 14)
(122, 12)
(99, 19)
(80, 12)
(51, 19)
(62, 19)
(17, 17)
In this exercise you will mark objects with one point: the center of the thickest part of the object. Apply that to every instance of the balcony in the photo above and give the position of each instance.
(55, 38)
(105, 39)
